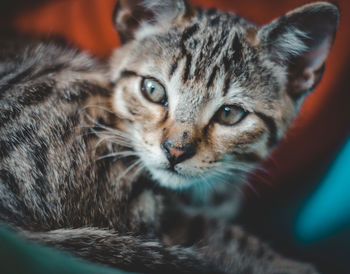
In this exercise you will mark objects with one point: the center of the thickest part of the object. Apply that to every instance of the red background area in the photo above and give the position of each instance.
(316, 134)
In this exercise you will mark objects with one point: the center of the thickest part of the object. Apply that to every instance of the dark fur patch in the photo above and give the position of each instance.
(81, 90)
(271, 125)
(260, 252)
(237, 47)
(188, 33)
(227, 63)
(51, 69)
(173, 68)
(9, 114)
(212, 77)
(16, 79)
(19, 137)
(9, 179)
(227, 237)
(127, 73)
(227, 84)
(196, 230)
(215, 21)
(187, 67)
(242, 243)
(66, 126)
(38, 153)
(36, 94)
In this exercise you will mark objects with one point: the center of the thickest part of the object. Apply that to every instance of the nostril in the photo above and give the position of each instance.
(166, 148)
(189, 150)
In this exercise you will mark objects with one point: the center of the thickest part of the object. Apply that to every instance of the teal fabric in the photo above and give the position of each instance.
(327, 211)
(20, 257)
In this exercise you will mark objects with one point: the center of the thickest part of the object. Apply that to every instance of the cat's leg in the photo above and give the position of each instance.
(128, 252)
(231, 248)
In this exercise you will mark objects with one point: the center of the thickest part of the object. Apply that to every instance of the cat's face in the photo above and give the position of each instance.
(205, 94)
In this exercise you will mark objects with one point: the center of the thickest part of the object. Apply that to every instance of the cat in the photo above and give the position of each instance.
(93, 157)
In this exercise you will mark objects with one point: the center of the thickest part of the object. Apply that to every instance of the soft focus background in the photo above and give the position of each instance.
(300, 204)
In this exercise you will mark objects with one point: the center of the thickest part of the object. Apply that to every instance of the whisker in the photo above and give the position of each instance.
(114, 140)
(116, 135)
(110, 134)
(121, 153)
(251, 187)
(129, 169)
(96, 106)
(261, 179)
(238, 168)
(107, 128)
(207, 184)
(260, 168)
(243, 179)
(137, 172)
(251, 172)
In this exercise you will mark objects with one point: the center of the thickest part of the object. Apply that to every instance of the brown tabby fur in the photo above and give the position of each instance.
(81, 149)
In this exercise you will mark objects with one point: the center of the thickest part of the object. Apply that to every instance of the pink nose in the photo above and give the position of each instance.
(175, 152)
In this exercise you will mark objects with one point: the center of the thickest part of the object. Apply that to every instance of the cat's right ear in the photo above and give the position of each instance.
(135, 19)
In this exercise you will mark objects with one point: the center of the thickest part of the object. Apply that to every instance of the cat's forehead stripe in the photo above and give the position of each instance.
(187, 34)
(212, 55)
(187, 67)
(212, 76)
(173, 68)
(205, 51)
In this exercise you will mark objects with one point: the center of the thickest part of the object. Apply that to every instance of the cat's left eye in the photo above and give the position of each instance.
(153, 91)
(230, 115)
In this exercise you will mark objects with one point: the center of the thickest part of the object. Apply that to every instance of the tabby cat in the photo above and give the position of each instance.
(90, 155)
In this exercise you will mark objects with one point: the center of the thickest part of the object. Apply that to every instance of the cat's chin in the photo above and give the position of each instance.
(173, 180)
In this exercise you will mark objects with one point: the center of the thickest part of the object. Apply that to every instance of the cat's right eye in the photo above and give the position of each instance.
(153, 91)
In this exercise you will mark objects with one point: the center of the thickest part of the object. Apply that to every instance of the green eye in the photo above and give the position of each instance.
(230, 115)
(153, 91)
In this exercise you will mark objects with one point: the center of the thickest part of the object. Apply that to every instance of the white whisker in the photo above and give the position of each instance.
(96, 106)
(129, 169)
(114, 140)
(107, 128)
(124, 154)
(137, 172)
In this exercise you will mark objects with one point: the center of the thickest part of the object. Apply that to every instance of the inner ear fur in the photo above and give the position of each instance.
(302, 38)
(131, 16)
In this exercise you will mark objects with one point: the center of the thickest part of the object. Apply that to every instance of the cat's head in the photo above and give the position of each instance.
(204, 93)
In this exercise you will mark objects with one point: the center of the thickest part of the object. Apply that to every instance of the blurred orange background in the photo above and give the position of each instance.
(317, 133)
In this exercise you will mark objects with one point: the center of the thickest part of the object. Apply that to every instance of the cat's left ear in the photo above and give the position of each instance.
(302, 39)
(138, 18)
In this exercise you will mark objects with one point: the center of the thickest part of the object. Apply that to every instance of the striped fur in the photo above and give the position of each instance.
(206, 61)
(53, 183)
(77, 154)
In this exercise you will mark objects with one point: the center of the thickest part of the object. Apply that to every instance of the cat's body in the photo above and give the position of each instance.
(69, 143)
(59, 183)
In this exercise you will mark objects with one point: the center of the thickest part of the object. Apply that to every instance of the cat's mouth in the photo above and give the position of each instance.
(173, 171)
(172, 178)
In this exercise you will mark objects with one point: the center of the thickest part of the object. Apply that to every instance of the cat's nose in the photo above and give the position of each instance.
(177, 154)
